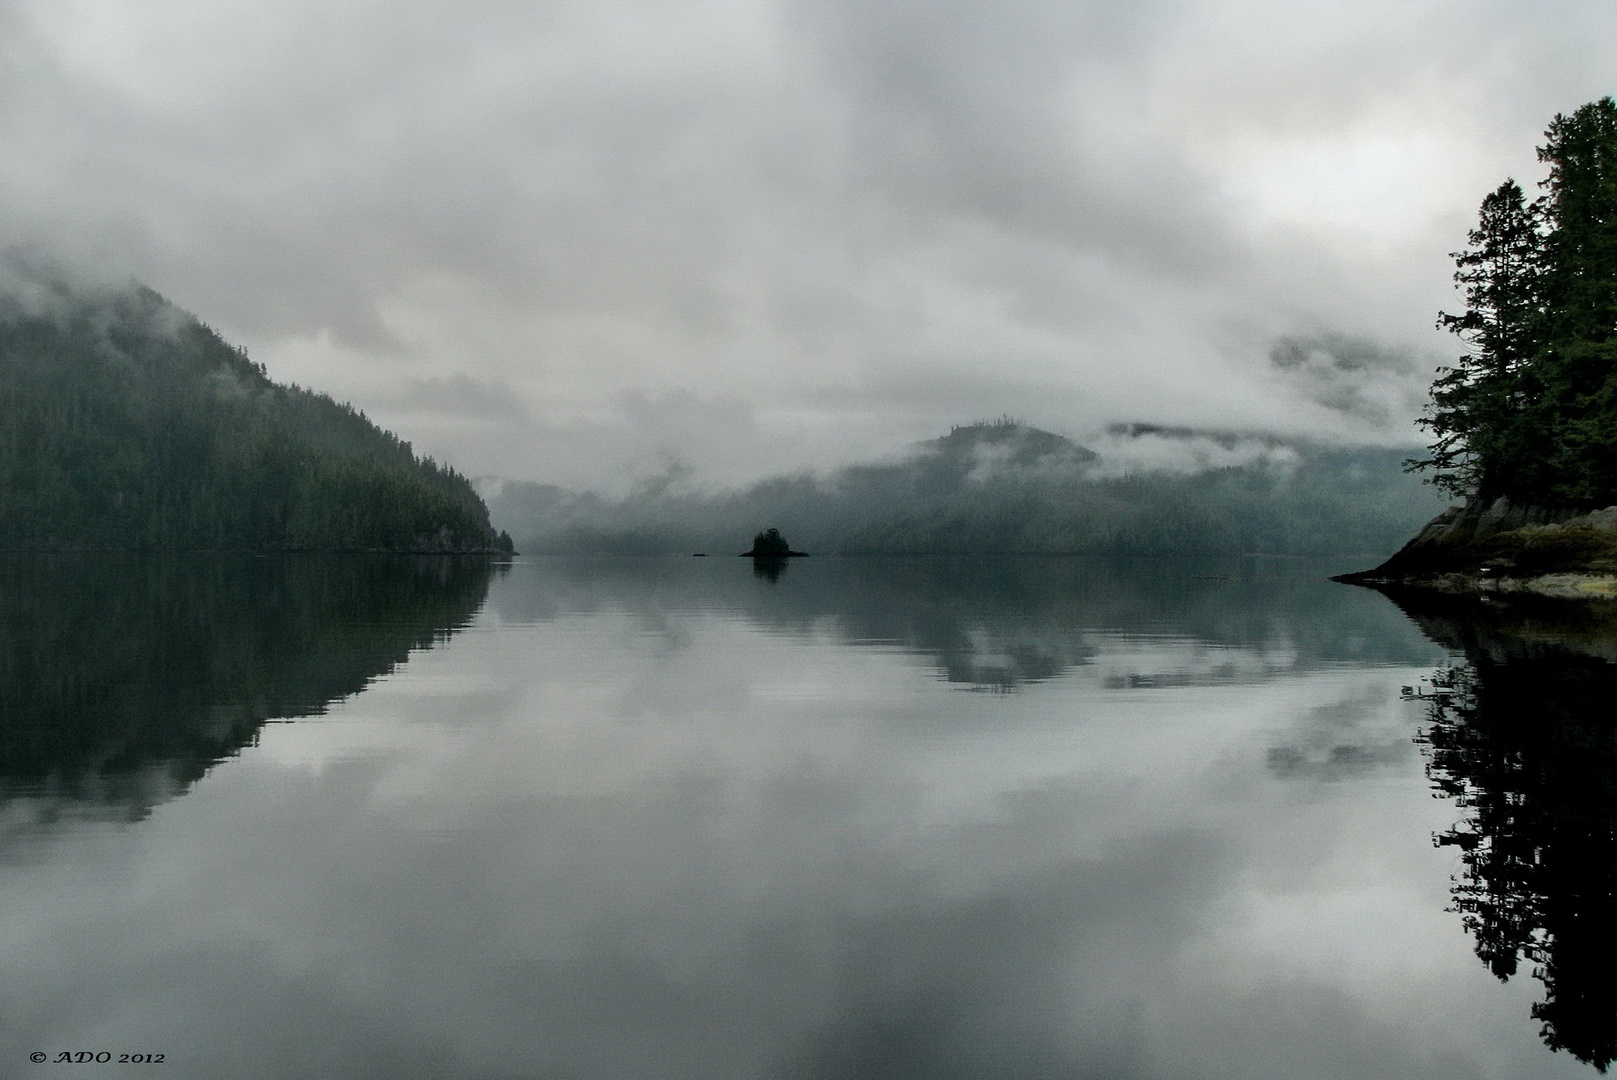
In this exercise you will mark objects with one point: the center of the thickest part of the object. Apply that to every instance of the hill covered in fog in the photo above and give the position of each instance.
(1005, 487)
(126, 424)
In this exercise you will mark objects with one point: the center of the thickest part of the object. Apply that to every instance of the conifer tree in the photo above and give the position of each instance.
(1479, 406)
(1530, 411)
(1579, 362)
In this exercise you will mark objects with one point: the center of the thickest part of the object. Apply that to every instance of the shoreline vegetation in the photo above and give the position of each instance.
(128, 425)
(1517, 732)
(1525, 422)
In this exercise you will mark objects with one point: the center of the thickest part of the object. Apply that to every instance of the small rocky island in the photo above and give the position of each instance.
(1524, 424)
(770, 544)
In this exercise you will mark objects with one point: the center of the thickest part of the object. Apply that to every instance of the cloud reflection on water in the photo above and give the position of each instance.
(644, 821)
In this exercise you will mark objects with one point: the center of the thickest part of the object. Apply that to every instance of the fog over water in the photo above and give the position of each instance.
(577, 242)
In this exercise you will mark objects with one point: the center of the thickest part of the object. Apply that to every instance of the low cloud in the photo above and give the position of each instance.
(1382, 386)
(760, 234)
(458, 396)
(1135, 449)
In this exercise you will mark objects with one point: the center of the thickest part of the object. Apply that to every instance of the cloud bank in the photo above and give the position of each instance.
(574, 242)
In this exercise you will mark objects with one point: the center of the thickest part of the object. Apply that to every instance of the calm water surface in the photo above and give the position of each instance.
(1016, 818)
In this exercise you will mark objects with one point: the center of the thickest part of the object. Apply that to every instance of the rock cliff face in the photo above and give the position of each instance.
(1504, 547)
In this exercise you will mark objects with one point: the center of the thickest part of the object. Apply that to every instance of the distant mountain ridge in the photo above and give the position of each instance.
(1002, 486)
(127, 424)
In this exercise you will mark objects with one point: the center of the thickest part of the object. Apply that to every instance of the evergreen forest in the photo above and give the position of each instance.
(126, 424)
(1529, 412)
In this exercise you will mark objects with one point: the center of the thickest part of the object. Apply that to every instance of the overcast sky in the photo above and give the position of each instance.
(579, 240)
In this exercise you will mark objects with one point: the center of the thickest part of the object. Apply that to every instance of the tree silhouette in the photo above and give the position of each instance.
(1530, 410)
(1478, 405)
(770, 544)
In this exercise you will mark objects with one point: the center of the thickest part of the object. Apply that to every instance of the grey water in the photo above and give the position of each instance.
(884, 818)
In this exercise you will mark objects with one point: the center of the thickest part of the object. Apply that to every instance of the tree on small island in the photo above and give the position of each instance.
(1530, 411)
(770, 544)
(1524, 424)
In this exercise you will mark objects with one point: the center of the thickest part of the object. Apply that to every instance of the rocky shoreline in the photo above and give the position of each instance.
(1501, 548)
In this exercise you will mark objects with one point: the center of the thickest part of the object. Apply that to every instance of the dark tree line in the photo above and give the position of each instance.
(126, 424)
(1530, 410)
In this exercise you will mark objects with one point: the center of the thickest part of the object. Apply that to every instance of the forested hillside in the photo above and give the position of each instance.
(127, 424)
(1003, 487)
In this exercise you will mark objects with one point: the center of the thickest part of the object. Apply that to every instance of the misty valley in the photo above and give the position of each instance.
(1058, 758)
(1005, 487)
(1161, 750)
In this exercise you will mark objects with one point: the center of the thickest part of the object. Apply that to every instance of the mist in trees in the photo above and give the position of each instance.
(127, 424)
(1529, 411)
(1004, 487)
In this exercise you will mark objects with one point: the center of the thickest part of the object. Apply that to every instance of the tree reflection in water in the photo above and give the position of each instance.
(768, 568)
(1523, 736)
(124, 678)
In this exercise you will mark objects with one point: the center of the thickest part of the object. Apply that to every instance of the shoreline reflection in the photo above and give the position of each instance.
(1520, 733)
(999, 624)
(125, 678)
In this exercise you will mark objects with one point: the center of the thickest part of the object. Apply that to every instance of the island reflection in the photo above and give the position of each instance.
(1521, 735)
(124, 678)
